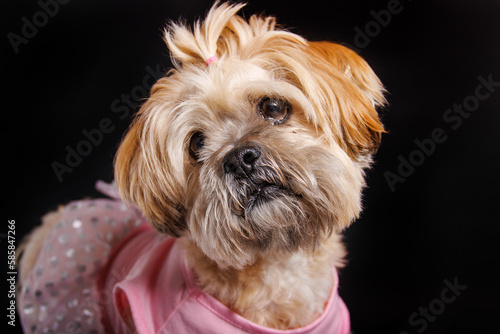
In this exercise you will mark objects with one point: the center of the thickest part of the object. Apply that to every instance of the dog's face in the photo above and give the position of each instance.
(260, 151)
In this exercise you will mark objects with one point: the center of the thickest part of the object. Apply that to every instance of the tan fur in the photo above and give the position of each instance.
(271, 264)
(280, 291)
(274, 265)
(272, 261)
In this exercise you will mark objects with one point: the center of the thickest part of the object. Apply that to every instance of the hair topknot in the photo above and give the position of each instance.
(224, 34)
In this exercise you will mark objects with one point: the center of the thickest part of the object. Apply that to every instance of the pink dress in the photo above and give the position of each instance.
(103, 265)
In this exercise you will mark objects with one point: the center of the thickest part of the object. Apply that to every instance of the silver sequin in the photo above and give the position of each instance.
(77, 223)
(43, 315)
(74, 327)
(60, 315)
(110, 221)
(63, 239)
(39, 271)
(89, 248)
(53, 260)
(70, 253)
(75, 206)
(73, 303)
(28, 309)
(88, 313)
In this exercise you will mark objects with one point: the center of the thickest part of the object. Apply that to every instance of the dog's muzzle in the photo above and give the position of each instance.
(255, 183)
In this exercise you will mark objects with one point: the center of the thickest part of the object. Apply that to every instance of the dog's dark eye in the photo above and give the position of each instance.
(196, 144)
(274, 110)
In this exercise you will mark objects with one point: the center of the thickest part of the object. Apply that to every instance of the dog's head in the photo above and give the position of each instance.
(256, 142)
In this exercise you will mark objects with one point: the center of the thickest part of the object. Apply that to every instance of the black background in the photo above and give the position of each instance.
(440, 224)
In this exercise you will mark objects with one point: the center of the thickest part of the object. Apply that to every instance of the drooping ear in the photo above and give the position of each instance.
(357, 92)
(144, 178)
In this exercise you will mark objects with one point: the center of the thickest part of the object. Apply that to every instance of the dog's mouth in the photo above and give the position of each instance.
(256, 191)
(263, 192)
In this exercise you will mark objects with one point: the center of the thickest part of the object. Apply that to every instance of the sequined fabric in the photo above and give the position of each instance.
(60, 295)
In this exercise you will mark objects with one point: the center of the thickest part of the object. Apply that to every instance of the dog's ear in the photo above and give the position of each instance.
(354, 92)
(144, 177)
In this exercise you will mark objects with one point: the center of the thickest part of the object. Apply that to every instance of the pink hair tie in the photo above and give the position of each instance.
(211, 60)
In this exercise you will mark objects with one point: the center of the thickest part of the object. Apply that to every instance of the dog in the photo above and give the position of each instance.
(235, 181)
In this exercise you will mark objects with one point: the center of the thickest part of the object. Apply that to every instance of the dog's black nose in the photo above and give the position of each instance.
(241, 161)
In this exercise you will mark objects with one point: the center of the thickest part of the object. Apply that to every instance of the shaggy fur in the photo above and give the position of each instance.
(262, 236)
(269, 261)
